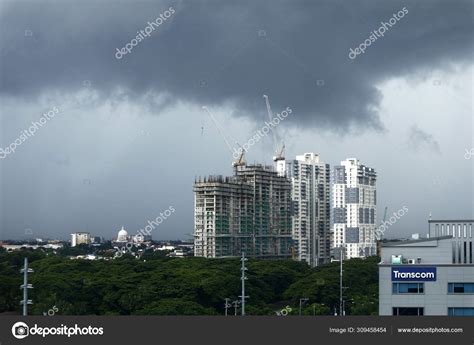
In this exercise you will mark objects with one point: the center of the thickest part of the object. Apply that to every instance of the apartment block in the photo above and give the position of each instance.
(80, 238)
(354, 213)
(310, 180)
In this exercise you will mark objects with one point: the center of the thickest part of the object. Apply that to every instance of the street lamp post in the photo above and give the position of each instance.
(344, 306)
(236, 305)
(303, 300)
(227, 305)
(341, 258)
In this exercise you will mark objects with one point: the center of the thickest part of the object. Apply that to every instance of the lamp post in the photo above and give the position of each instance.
(344, 306)
(341, 258)
(236, 305)
(302, 301)
(227, 305)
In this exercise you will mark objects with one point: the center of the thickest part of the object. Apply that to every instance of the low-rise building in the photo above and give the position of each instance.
(428, 276)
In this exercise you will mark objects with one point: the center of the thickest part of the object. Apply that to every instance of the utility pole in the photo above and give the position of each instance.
(227, 305)
(25, 287)
(340, 281)
(243, 278)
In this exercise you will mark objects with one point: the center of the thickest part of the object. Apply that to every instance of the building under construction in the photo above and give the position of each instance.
(248, 212)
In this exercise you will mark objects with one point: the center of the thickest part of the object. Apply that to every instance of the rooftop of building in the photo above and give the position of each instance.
(450, 221)
(395, 243)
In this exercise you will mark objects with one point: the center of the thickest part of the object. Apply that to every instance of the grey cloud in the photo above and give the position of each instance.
(210, 52)
(419, 139)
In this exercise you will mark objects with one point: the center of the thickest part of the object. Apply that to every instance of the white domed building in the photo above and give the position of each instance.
(122, 235)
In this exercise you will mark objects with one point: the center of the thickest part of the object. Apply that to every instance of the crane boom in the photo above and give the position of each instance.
(219, 129)
(241, 160)
(270, 118)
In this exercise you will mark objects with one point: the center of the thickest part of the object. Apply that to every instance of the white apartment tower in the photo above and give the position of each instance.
(354, 212)
(80, 238)
(310, 179)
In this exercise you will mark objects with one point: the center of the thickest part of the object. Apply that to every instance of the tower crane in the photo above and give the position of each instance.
(240, 161)
(279, 157)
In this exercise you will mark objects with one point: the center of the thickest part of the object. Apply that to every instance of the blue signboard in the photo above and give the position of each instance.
(420, 274)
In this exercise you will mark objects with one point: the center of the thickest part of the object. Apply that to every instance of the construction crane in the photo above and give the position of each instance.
(279, 157)
(240, 161)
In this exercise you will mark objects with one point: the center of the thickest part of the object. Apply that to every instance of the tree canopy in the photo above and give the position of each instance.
(157, 285)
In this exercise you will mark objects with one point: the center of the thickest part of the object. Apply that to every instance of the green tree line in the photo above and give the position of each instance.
(157, 285)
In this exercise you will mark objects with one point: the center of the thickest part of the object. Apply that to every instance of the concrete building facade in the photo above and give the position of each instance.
(424, 277)
(249, 212)
(461, 232)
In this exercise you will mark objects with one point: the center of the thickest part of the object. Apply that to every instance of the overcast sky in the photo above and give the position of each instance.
(131, 135)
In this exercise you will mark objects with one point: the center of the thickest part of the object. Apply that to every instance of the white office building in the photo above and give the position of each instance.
(80, 238)
(310, 179)
(430, 276)
(354, 214)
(460, 231)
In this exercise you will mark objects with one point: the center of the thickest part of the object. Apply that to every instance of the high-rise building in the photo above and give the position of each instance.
(354, 211)
(310, 180)
(80, 238)
(248, 212)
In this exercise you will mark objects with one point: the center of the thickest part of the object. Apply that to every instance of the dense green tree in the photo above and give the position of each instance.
(158, 285)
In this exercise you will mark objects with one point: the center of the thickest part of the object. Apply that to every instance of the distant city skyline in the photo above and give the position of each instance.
(130, 135)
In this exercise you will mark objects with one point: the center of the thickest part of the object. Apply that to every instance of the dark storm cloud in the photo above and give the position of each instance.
(213, 52)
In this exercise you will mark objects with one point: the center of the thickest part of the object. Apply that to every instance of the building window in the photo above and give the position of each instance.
(465, 252)
(407, 311)
(470, 252)
(461, 288)
(404, 288)
(460, 311)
